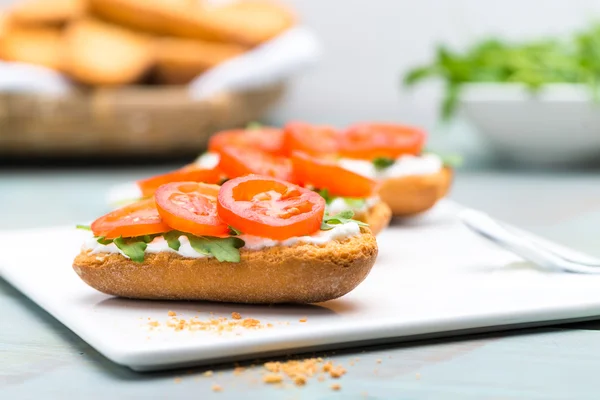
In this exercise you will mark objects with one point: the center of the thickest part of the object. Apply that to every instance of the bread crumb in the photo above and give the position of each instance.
(378, 361)
(236, 315)
(337, 372)
(300, 381)
(208, 373)
(303, 319)
(177, 380)
(327, 367)
(269, 325)
(238, 370)
(216, 388)
(321, 378)
(336, 386)
(418, 375)
(272, 378)
(171, 313)
(154, 324)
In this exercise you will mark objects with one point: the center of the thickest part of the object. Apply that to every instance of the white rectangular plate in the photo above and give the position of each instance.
(432, 276)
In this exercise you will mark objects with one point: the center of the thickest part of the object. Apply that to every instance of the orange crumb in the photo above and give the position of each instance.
(216, 388)
(236, 315)
(171, 313)
(250, 323)
(208, 373)
(303, 319)
(272, 378)
(177, 380)
(300, 381)
(337, 372)
(336, 386)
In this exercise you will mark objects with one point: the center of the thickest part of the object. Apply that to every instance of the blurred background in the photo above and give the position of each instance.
(349, 67)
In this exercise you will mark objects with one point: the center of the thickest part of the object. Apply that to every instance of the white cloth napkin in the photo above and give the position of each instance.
(273, 61)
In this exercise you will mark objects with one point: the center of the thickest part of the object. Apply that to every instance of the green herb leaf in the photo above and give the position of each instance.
(329, 221)
(83, 227)
(223, 249)
(172, 238)
(355, 203)
(254, 125)
(233, 231)
(132, 248)
(324, 193)
(104, 241)
(382, 163)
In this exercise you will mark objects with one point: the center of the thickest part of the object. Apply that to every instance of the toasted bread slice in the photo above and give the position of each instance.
(40, 46)
(178, 61)
(303, 273)
(247, 22)
(410, 195)
(46, 12)
(378, 217)
(98, 53)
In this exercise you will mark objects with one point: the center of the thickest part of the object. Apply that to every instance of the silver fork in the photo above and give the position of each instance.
(530, 247)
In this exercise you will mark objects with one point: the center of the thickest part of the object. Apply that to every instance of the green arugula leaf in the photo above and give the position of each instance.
(355, 203)
(104, 241)
(233, 231)
(223, 249)
(254, 125)
(324, 193)
(382, 163)
(132, 248)
(172, 238)
(83, 227)
(329, 221)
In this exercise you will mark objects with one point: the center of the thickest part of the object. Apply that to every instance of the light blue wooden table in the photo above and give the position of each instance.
(41, 359)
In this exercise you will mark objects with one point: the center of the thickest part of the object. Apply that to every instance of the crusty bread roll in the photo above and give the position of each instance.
(378, 217)
(98, 53)
(246, 22)
(303, 273)
(40, 46)
(46, 12)
(178, 60)
(410, 195)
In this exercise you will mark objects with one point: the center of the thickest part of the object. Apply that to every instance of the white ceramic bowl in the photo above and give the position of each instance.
(559, 125)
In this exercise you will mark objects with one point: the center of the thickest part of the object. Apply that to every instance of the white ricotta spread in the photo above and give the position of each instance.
(406, 165)
(207, 160)
(159, 244)
(338, 205)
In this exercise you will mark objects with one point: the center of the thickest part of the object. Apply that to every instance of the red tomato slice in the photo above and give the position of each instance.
(325, 174)
(237, 161)
(266, 139)
(268, 207)
(190, 207)
(370, 141)
(311, 139)
(136, 219)
(190, 172)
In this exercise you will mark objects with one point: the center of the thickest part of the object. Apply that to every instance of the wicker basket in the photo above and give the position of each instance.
(132, 120)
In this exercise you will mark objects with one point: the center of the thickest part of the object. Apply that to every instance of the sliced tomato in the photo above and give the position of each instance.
(311, 139)
(237, 161)
(190, 172)
(268, 207)
(265, 139)
(136, 219)
(327, 174)
(370, 141)
(190, 207)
